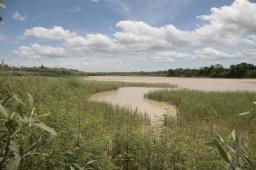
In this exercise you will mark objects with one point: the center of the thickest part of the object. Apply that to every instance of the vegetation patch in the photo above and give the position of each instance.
(79, 134)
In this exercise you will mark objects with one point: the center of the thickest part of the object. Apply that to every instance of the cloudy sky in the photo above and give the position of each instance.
(128, 35)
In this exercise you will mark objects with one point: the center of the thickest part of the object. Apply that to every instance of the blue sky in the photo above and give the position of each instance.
(128, 35)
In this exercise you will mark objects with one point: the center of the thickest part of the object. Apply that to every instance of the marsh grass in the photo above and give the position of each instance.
(94, 135)
(200, 114)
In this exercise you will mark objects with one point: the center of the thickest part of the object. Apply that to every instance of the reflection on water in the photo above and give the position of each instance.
(206, 84)
(134, 97)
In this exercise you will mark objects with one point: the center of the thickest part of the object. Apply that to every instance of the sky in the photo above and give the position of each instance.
(128, 35)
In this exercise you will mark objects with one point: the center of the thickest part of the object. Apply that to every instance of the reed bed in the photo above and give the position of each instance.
(93, 135)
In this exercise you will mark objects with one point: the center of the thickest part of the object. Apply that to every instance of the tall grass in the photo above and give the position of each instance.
(101, 136)
(201, 113)
(201, 105)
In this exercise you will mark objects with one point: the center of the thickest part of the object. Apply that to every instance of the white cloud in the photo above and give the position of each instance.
(228, 27)
(249, 53)
(55, 33)
(170, 56)
(229, 24)
(17, 16)
(210, 53)
(91, 42)
(206, 53)
(85, 63)
(38, 51)
(95, 0)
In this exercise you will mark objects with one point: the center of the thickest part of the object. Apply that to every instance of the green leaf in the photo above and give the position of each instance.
(46, 128)
(243, 114)
(2, 5)
(76, 166)
(33, 146)
(19, 101)
(3, 111)
(233, 135)
(14, 163)
(72, 168)
(43, 115)
(13, 115)
(14, 147)
(227, 157)
(90, 162)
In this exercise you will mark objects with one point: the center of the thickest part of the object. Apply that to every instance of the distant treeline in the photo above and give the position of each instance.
(216, 71)
(38, 71)
(140, 73)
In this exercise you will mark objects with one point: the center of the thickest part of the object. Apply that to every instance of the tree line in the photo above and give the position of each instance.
(39, 71)
(216, 71)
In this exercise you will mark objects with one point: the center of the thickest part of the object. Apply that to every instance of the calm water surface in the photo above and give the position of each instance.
(206, 84)
(133, 97)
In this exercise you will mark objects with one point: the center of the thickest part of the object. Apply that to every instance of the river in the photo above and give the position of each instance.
(133, 97)
(206, 84)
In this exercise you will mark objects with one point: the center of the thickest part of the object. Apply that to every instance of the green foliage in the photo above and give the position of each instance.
(251, 114)
(234, 151)
(201, 112)
(21, 130)
(234, 71)
(201, 105)
(2, 5)
(94, 135)
(214, 71)
(39, 71)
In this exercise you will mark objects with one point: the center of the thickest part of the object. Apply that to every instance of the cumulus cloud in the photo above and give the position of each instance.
(38, 51)
(206, 53)
(55, 33)
(228, 24)
(91, 42)
(17, 16)
(224, 28)
(210, 53)
(170, 55)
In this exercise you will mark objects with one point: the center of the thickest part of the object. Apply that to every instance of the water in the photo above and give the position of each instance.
(206, 84)
(133, 97)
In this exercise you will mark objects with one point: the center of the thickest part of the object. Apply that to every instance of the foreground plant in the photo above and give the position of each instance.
(235, 150)
(2, 6)
(21, 131)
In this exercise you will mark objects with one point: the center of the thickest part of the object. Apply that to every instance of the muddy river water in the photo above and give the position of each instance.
(206, 84)
(133, 97)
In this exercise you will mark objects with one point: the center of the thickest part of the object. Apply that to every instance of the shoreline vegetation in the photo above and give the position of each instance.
(242, 70)
(92, 135)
